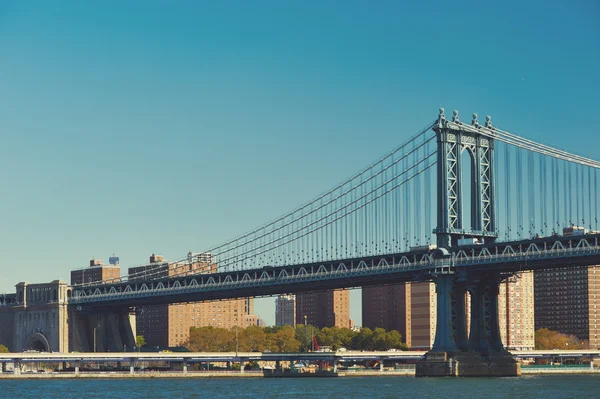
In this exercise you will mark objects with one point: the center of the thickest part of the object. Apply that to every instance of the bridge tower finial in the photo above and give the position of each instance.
(488, 122)
(441, 121)
(455, 117)
(475, 122)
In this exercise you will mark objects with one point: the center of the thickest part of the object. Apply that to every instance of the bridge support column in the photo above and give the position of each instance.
(132, 367)
(459, 321)
(444, 337)
(241, 366)
(381, 365)
(185, 367)
(439, 360)
(16, 367)
(483, 353)
(77, 367)
(485, 328)
(335, 365)
(101, 330)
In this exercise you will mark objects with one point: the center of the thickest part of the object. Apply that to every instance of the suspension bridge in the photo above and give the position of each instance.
(463, 204)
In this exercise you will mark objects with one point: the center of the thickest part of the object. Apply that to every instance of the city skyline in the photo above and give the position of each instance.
(120, 137)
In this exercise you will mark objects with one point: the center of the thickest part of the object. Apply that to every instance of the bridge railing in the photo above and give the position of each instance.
(260, 277)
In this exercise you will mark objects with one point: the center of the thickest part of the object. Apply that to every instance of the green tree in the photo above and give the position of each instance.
(140, 341)
(378, 339)
(363, 340)
(335, 337)
(393, 340)
(252, 338)
(283, 340)
(211, 339)
(3, 349)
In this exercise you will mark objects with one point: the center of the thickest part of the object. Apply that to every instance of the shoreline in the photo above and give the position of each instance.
(193, 375)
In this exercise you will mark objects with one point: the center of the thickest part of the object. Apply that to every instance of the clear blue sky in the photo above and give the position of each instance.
(146, 126)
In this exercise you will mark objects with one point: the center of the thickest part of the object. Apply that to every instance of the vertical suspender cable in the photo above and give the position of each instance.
(577, 195)
(509, 181)
(570, 193)
(428, 194)
(519, 175)
(530, 190)
(596, 199)
(589, 184)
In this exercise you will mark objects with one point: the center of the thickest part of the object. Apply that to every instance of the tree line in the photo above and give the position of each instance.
(548, 339)
(290, 339)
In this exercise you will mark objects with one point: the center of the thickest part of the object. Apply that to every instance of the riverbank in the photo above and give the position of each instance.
(253, 375)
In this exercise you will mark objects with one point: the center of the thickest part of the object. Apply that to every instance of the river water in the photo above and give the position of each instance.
(547, 387)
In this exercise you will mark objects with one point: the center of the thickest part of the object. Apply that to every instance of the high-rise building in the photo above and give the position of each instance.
(169, 325)
(423, 314)
(329, 308)
(285, 310)
(516, 312)
(95, 272)
(567, 300)
(411, 308)
(387, 307)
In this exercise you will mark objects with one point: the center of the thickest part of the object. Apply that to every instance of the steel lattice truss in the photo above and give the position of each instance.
(506, 258)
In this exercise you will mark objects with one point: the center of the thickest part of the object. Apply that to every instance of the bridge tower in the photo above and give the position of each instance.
(454, 352)
(455, 141)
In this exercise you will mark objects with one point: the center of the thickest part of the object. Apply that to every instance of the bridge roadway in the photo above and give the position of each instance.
(501, 257)
(195, 357)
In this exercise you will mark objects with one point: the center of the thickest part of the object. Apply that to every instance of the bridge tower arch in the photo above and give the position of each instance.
(457, 140)
(38, 342)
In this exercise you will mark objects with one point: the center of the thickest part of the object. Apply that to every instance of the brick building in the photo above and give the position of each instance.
(169, 325)
(324, 308)
(411, 308)
(567, 301)
(96, 272)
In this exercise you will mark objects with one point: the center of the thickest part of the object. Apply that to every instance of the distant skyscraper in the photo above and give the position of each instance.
(516, 312)
(387, 307)
(285, 310)
(568, 300)
(324, 308)
(423, 314)
(409, 308)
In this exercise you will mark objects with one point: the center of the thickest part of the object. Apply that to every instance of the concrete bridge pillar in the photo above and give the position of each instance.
(185, 367)
(77, 363)
(16, 367)
(477, 336)
(100, 330)
(485, 328)
(459, 319)
(444, 337)
(132, 366)
(483, 353)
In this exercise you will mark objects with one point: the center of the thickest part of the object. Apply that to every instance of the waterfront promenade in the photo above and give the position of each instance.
(260, 365)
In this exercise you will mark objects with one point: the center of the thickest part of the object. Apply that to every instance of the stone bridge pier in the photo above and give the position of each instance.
(101, 329)
(481, 352)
